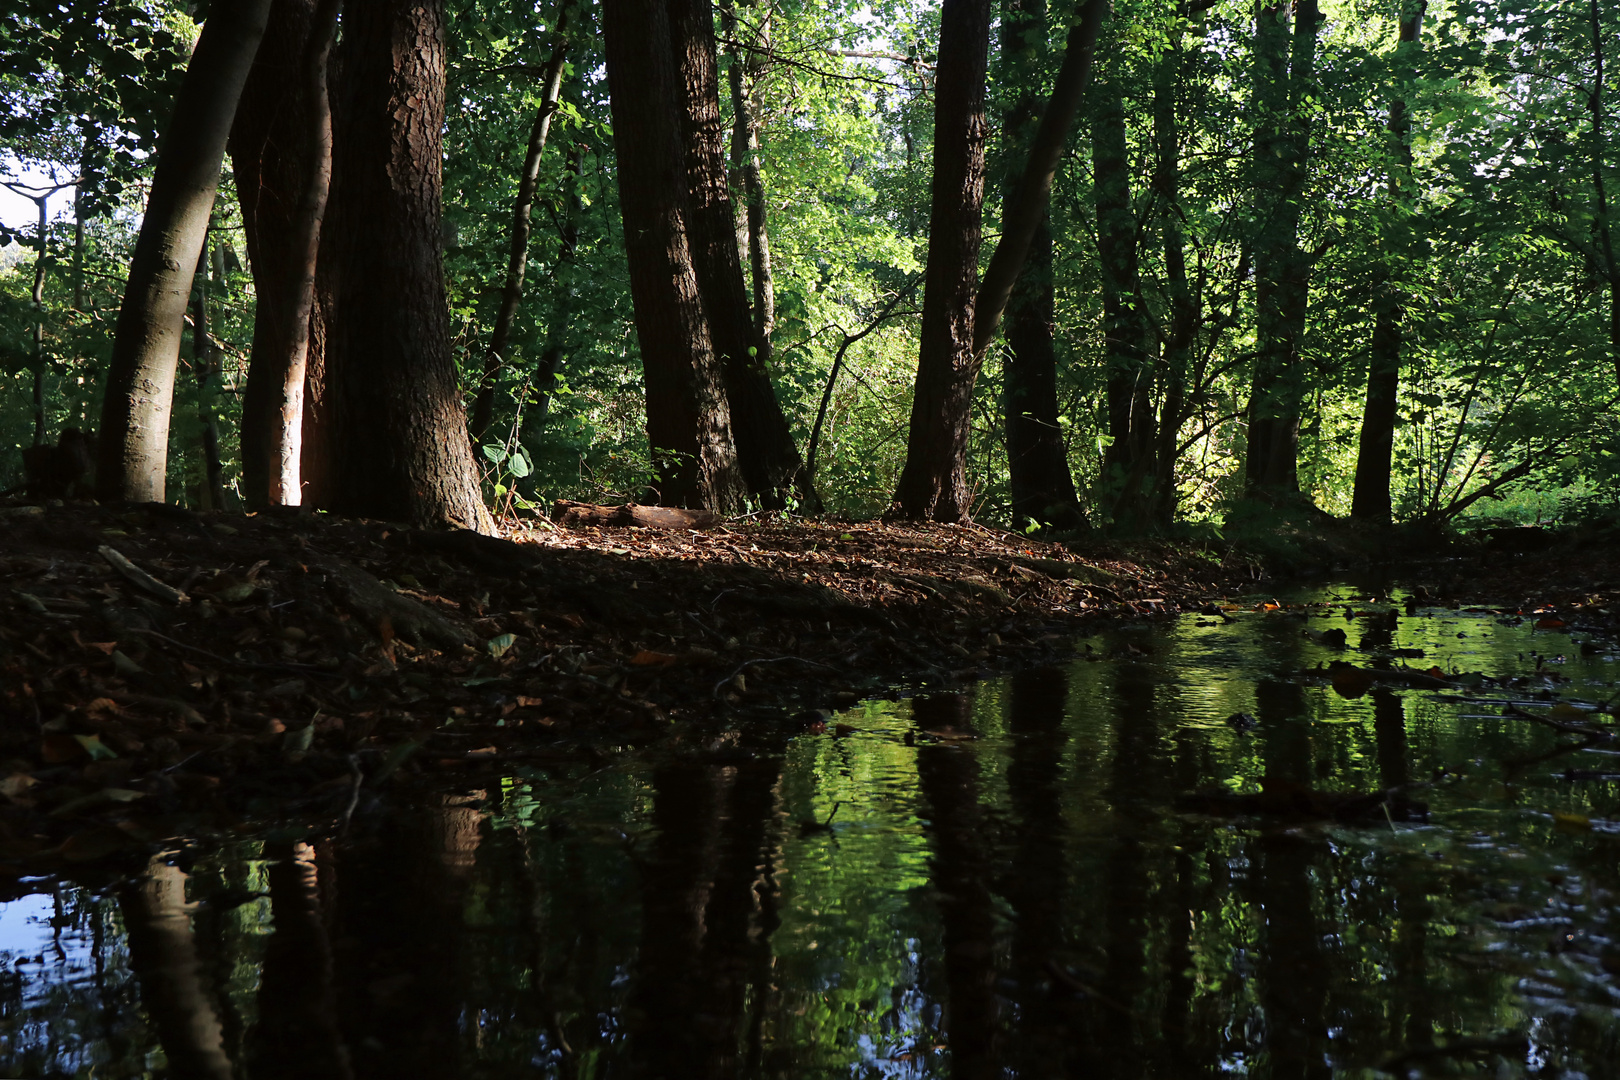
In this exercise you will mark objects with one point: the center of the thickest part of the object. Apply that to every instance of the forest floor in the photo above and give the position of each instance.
(166, 673)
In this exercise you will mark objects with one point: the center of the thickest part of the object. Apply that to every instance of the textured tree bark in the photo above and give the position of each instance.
(134, 441)
(1037, 461)
(688, 417)
(398, 428)
(1126, 341)
(275, 149)
(933, 484)
(517, 258)
(1376, 449)
(769, 459)
(1284, 66)
(205, 368)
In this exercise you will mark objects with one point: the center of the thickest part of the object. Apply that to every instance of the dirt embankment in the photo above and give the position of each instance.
(158, 664)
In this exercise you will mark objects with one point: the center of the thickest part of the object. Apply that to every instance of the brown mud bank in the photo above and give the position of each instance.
(164, 672)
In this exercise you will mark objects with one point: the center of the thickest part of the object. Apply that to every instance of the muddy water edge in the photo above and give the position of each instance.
(1147, 862)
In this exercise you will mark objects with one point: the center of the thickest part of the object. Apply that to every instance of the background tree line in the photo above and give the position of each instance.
(1137, 266)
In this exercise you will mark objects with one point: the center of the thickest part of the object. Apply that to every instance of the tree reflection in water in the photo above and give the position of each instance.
(1007, 890)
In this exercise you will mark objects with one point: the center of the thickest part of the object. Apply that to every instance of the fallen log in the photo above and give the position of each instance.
(577, 515)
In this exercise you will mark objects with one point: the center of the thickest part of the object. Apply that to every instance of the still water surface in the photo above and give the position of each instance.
(992, 884)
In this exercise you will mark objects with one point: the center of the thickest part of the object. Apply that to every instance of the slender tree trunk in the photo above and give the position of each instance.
(1037, 460)
(1179, 342)
(1600, 150)
(397, 423)
(551, 359)
(1375, 456)
(1125, 329)
(770, 462)
(205, 367)
(517, 257)
(753, 236)
(38, 299)
(134, 440)
(688, 417)
(933, 484)
(1284, 74)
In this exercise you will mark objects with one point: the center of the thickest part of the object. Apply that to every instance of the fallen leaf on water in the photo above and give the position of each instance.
(1572, 822)
(1550, 623)
(93, 746)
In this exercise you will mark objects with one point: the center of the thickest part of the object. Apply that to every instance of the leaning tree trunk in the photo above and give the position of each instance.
(1376, 450)
(688, 416)
(766, 453)
(933, 484)
(134, 444)
(398, 429)
(1284, 74)
(276, 148)
(1037, 461)
(517, 255)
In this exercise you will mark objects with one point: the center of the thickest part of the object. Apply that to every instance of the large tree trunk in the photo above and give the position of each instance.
(1037, 460)
(397, 423)
(1126, 347)
(517, 256)
(933, 484)
(134, 443)
(274, 158)
(1375, 453)
(1284, 67)
(770, 462)
(688, 417)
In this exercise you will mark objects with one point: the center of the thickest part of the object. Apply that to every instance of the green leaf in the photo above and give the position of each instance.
(494, 453)
(497, 646)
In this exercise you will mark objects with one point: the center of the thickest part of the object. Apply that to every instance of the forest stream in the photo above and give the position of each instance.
(1072, 870)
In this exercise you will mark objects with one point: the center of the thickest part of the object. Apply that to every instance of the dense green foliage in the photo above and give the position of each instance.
(1495, 236)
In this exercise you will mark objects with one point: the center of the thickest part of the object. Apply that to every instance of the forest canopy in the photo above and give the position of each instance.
(1129, 266)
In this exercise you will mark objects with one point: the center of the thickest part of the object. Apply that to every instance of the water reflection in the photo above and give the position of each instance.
(987, 884)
